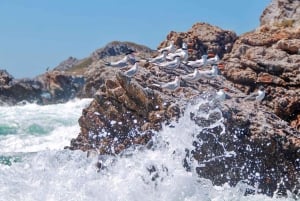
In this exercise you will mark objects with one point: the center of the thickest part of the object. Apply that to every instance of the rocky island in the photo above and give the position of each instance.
(264, 136)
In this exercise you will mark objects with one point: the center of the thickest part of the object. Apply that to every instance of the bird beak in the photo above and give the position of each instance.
(226, 89)
(221, 66)
(210, 55)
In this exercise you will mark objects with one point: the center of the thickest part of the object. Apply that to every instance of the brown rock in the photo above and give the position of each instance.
(291, 46)
(203, 38)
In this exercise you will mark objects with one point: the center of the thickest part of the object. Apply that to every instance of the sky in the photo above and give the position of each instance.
(36, 34)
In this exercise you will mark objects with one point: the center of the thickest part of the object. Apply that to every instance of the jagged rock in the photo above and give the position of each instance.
(67, 64)
(282, 13)
(203, 38)
(5, 78)
(126, 110)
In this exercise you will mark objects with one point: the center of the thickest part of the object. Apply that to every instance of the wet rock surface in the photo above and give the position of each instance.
(256, 147)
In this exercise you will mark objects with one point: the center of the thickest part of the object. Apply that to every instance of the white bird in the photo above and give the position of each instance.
(258, 96)
(171, 64)
(221, 95)
(198, 63)
(170, 48)
(128, 58)
(213, 60)
(160, 58)
(193, 77)
(182, 53)
(132, 71)
(210, 74)
(120, 63)
(171, 85)
(183, 47)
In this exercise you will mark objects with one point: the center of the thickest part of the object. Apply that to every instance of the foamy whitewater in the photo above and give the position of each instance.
(35, 166)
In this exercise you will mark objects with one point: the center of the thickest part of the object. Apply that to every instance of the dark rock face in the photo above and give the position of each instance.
(256, 147)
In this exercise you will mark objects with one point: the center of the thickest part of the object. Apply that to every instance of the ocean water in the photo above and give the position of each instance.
(35, 166)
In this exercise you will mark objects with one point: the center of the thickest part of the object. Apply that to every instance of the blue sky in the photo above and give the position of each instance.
(36, 34)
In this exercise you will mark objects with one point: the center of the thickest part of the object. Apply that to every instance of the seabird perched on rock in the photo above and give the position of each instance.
(198, 63)
(182, 52)
(192, 77)
(170, 85)
(132, 71)
(210, 74)
(256, 96)
(171, 64)
(221, 95)
(129, 57)
(160, 58)
(213, 60)
(170, 48)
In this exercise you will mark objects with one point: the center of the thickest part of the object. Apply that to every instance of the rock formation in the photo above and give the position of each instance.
(128, 111)
(270, 56)
(258, 143)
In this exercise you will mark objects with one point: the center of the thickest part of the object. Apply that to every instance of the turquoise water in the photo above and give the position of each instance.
(34, 165)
